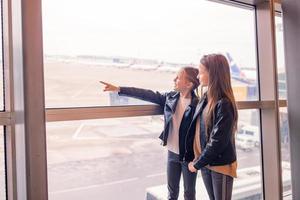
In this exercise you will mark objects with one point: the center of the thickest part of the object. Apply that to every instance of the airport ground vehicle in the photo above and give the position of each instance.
(248, 137)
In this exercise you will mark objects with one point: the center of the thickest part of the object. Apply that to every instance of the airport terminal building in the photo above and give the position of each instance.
(62, 137)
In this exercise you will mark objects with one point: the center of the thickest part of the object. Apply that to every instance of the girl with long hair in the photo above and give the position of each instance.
(214, 124)
(178, 107)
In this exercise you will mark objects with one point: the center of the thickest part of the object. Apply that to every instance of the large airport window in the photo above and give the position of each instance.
(2, 166)
(141, 44)
(121, 158)
(1, 64)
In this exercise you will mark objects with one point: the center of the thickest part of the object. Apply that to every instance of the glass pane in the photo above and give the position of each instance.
(105, 159)
(125, 43)
(1, 65)
(2, 166)
(280, 59)
(122, 158)
(284, 131)
(248, 185)
(285, 154)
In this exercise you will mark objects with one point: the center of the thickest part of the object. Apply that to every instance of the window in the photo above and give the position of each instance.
(248, 185)
(2, 146)
(105, 159)
(284, 130)
(111, 158)
(2, 166)
(136, 47)
(280, 59)
(1, 65)
(285, 154)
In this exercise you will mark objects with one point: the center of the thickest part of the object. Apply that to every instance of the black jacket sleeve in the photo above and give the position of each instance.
(143, 94)
(220, 134)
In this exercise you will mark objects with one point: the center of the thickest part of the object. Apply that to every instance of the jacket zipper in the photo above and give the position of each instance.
(164, 135)
(188, 134)
(186, 138)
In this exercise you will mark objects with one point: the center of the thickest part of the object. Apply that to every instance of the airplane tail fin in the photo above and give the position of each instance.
(236, 72)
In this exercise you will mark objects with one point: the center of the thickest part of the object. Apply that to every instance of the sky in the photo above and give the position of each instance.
(166, 30)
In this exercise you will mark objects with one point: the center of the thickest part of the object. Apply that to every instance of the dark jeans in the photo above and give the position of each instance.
(218, 186)
(174, 170)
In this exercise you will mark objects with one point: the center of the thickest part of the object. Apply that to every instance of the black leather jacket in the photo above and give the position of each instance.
(168, 102)
(220, 146)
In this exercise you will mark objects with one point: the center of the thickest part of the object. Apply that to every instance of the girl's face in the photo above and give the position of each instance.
(181, 83)
(203, 75)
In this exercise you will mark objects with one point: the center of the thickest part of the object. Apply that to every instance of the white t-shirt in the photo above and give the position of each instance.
(173, 137)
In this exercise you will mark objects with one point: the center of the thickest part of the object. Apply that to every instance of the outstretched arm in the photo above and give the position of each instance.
(143, 94)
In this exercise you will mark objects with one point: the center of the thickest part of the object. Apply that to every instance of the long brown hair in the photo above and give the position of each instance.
(219, 86)
(191, 74)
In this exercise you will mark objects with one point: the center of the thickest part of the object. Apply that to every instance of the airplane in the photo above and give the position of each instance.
(165, 67)
(247, 76)
(143, 67)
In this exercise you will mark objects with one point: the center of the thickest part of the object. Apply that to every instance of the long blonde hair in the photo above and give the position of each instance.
(219, 86)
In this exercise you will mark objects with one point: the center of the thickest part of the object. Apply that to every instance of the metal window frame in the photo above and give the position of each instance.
(24, 115)
(268, 81)
(15, 164)
(277, 3)
(84, 113)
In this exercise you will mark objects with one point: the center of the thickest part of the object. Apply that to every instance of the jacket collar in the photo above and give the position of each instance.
(200, 106)
(172, 102)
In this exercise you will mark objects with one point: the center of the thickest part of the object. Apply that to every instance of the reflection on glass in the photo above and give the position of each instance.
(284, 131)
(285, 154)
(282, 90)
(128, 45)
(122, 158)
(248, 185)
(2, 166)
(1, 67)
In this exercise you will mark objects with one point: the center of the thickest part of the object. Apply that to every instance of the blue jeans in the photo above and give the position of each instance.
(218, 186)
(174, 170)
